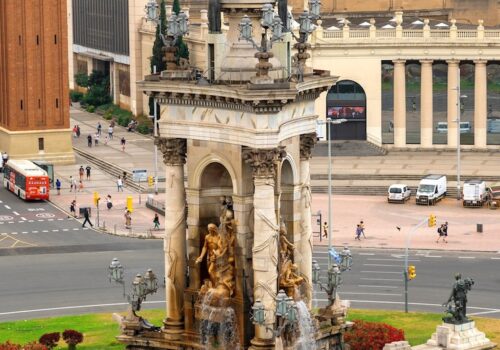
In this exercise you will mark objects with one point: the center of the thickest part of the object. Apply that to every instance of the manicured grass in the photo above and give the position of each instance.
(100, 330)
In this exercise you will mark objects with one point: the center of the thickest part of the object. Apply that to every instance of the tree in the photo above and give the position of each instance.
(182, 48)
(157, 58)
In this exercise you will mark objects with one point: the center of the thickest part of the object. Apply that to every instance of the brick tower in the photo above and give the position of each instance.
(34, 101)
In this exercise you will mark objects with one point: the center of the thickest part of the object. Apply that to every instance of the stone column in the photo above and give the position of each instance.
(480, 104)
(426, 107)
(174, 243)
(399, 103)
(452, 102)
(265, 236)
(305, 246)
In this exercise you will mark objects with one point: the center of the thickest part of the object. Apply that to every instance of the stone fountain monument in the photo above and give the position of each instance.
(236, 146)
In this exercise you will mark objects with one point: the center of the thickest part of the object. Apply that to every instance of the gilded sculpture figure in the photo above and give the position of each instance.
(219, 248)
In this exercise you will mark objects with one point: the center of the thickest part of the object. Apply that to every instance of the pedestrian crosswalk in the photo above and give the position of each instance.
(34, 220)
(45, 231)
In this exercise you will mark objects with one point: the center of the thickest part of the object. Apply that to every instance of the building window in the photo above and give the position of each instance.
(57, 103)
(55, 39)
(39, 104)
(41, 145)
(81, 66)
(124, 82)
(20, 41)
(38, 39)
(21, 105)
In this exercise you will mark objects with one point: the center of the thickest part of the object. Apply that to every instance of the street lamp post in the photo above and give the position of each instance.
(459, 116)
(329, 121)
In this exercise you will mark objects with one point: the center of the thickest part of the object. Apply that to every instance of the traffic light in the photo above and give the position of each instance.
(96, 198)
(432, 220)
(151, 180)
(412, 273)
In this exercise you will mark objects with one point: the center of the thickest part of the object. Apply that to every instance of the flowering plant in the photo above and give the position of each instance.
(371, 335)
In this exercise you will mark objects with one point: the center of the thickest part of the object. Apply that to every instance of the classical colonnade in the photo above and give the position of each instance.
(426, 111)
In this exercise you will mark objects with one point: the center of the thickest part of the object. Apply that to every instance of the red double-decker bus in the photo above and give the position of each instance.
(26, 180)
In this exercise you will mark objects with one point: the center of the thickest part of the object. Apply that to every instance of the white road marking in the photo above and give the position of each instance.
(484, 312)
(34, 231)
(380, 272)
(23, 218)
(31, 220)
(11, 222)
(50, 220)
(382, 265)
(16, 213)
(75, 229)
(361, 293)
(55, 230)
(45, 230)
(495, 258)
(380, 279)
(85, 228)
(466, 257)
(40, 220)
(13, 233)
(60, 219)
(433, 256)
(25, 232)
(380, 259)
(65, 229)
(366, 254)
(6, 206)
(372, 286)
(74, 307)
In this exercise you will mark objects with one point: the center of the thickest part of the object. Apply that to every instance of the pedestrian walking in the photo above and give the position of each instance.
(122, 142)
(89, 140)
(106, 139)
(96, 139)
(78, 131)
(110, 132)
(443, 233)
(119, 184)
(87, 170)
(72, 208)
(58, 186)
(109, 203)
(99, 128)
(81, 171)
(359, 231)
(362, 225)
(128, 219)
(156, 222)
(80, 186)
(325, 229)
(73, 181)
(86, 215)
(75, 132)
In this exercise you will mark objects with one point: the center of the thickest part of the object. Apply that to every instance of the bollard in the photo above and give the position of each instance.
(114, 229)
(479, 228)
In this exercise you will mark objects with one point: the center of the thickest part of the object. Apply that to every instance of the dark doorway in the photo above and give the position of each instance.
(347, 100)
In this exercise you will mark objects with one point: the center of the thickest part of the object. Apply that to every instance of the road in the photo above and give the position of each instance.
(53, 267)
(376, 281)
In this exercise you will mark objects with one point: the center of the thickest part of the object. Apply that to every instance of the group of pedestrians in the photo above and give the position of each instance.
(97, 136)
(360, 230)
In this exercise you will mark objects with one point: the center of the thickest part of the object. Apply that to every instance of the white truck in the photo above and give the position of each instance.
(431, 189)
(474, 193)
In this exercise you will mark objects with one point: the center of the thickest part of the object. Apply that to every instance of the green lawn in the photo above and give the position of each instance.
(100, 330)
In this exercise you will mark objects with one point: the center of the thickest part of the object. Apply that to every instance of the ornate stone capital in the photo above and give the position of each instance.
(174, 150)
(264, 161)
(307, 142)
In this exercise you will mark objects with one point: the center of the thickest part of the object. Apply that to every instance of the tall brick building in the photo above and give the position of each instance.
(34, 101)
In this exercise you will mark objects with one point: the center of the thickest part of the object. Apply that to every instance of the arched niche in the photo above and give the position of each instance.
(287, 197)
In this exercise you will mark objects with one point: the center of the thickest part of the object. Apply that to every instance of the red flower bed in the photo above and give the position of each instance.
(371, 335)
(30, 346)
(50, 340)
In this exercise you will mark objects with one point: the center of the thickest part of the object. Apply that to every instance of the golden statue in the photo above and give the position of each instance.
(212, 245)
(286, 247)
(289, 279)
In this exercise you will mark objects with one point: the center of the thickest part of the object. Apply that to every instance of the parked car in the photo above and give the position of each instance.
(431, 189)
(398, 193)
(493, 195)
(474, 193)
(465, 127)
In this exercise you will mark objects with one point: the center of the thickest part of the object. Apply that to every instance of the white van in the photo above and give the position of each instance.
(474, 193)
(398, 193)
(431, 189)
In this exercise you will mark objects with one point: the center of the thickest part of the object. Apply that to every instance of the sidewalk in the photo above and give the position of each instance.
(380, 218)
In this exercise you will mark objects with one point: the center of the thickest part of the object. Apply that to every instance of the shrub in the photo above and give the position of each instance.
(143, 129)
(90, 109)
(50, 340)
(34, 346)
(82, 79)
(123, 120)
(9, 346)
(30, 346)
(75, 96)
(372, 335)
(72, 338)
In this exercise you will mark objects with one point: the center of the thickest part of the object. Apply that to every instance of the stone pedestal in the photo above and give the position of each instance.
(457, 337)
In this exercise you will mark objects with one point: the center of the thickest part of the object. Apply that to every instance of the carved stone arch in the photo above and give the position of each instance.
(293, 166)
(195, 181)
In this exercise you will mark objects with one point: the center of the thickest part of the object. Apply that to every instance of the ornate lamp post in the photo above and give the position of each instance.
(306, 28)
(286, 314)
(334, 274)
(177, 26)
(142, 286)
(268, 21)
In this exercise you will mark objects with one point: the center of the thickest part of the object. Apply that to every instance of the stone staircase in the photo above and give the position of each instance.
(351, 148)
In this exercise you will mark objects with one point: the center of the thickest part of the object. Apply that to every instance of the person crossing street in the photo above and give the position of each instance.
(86, 215)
